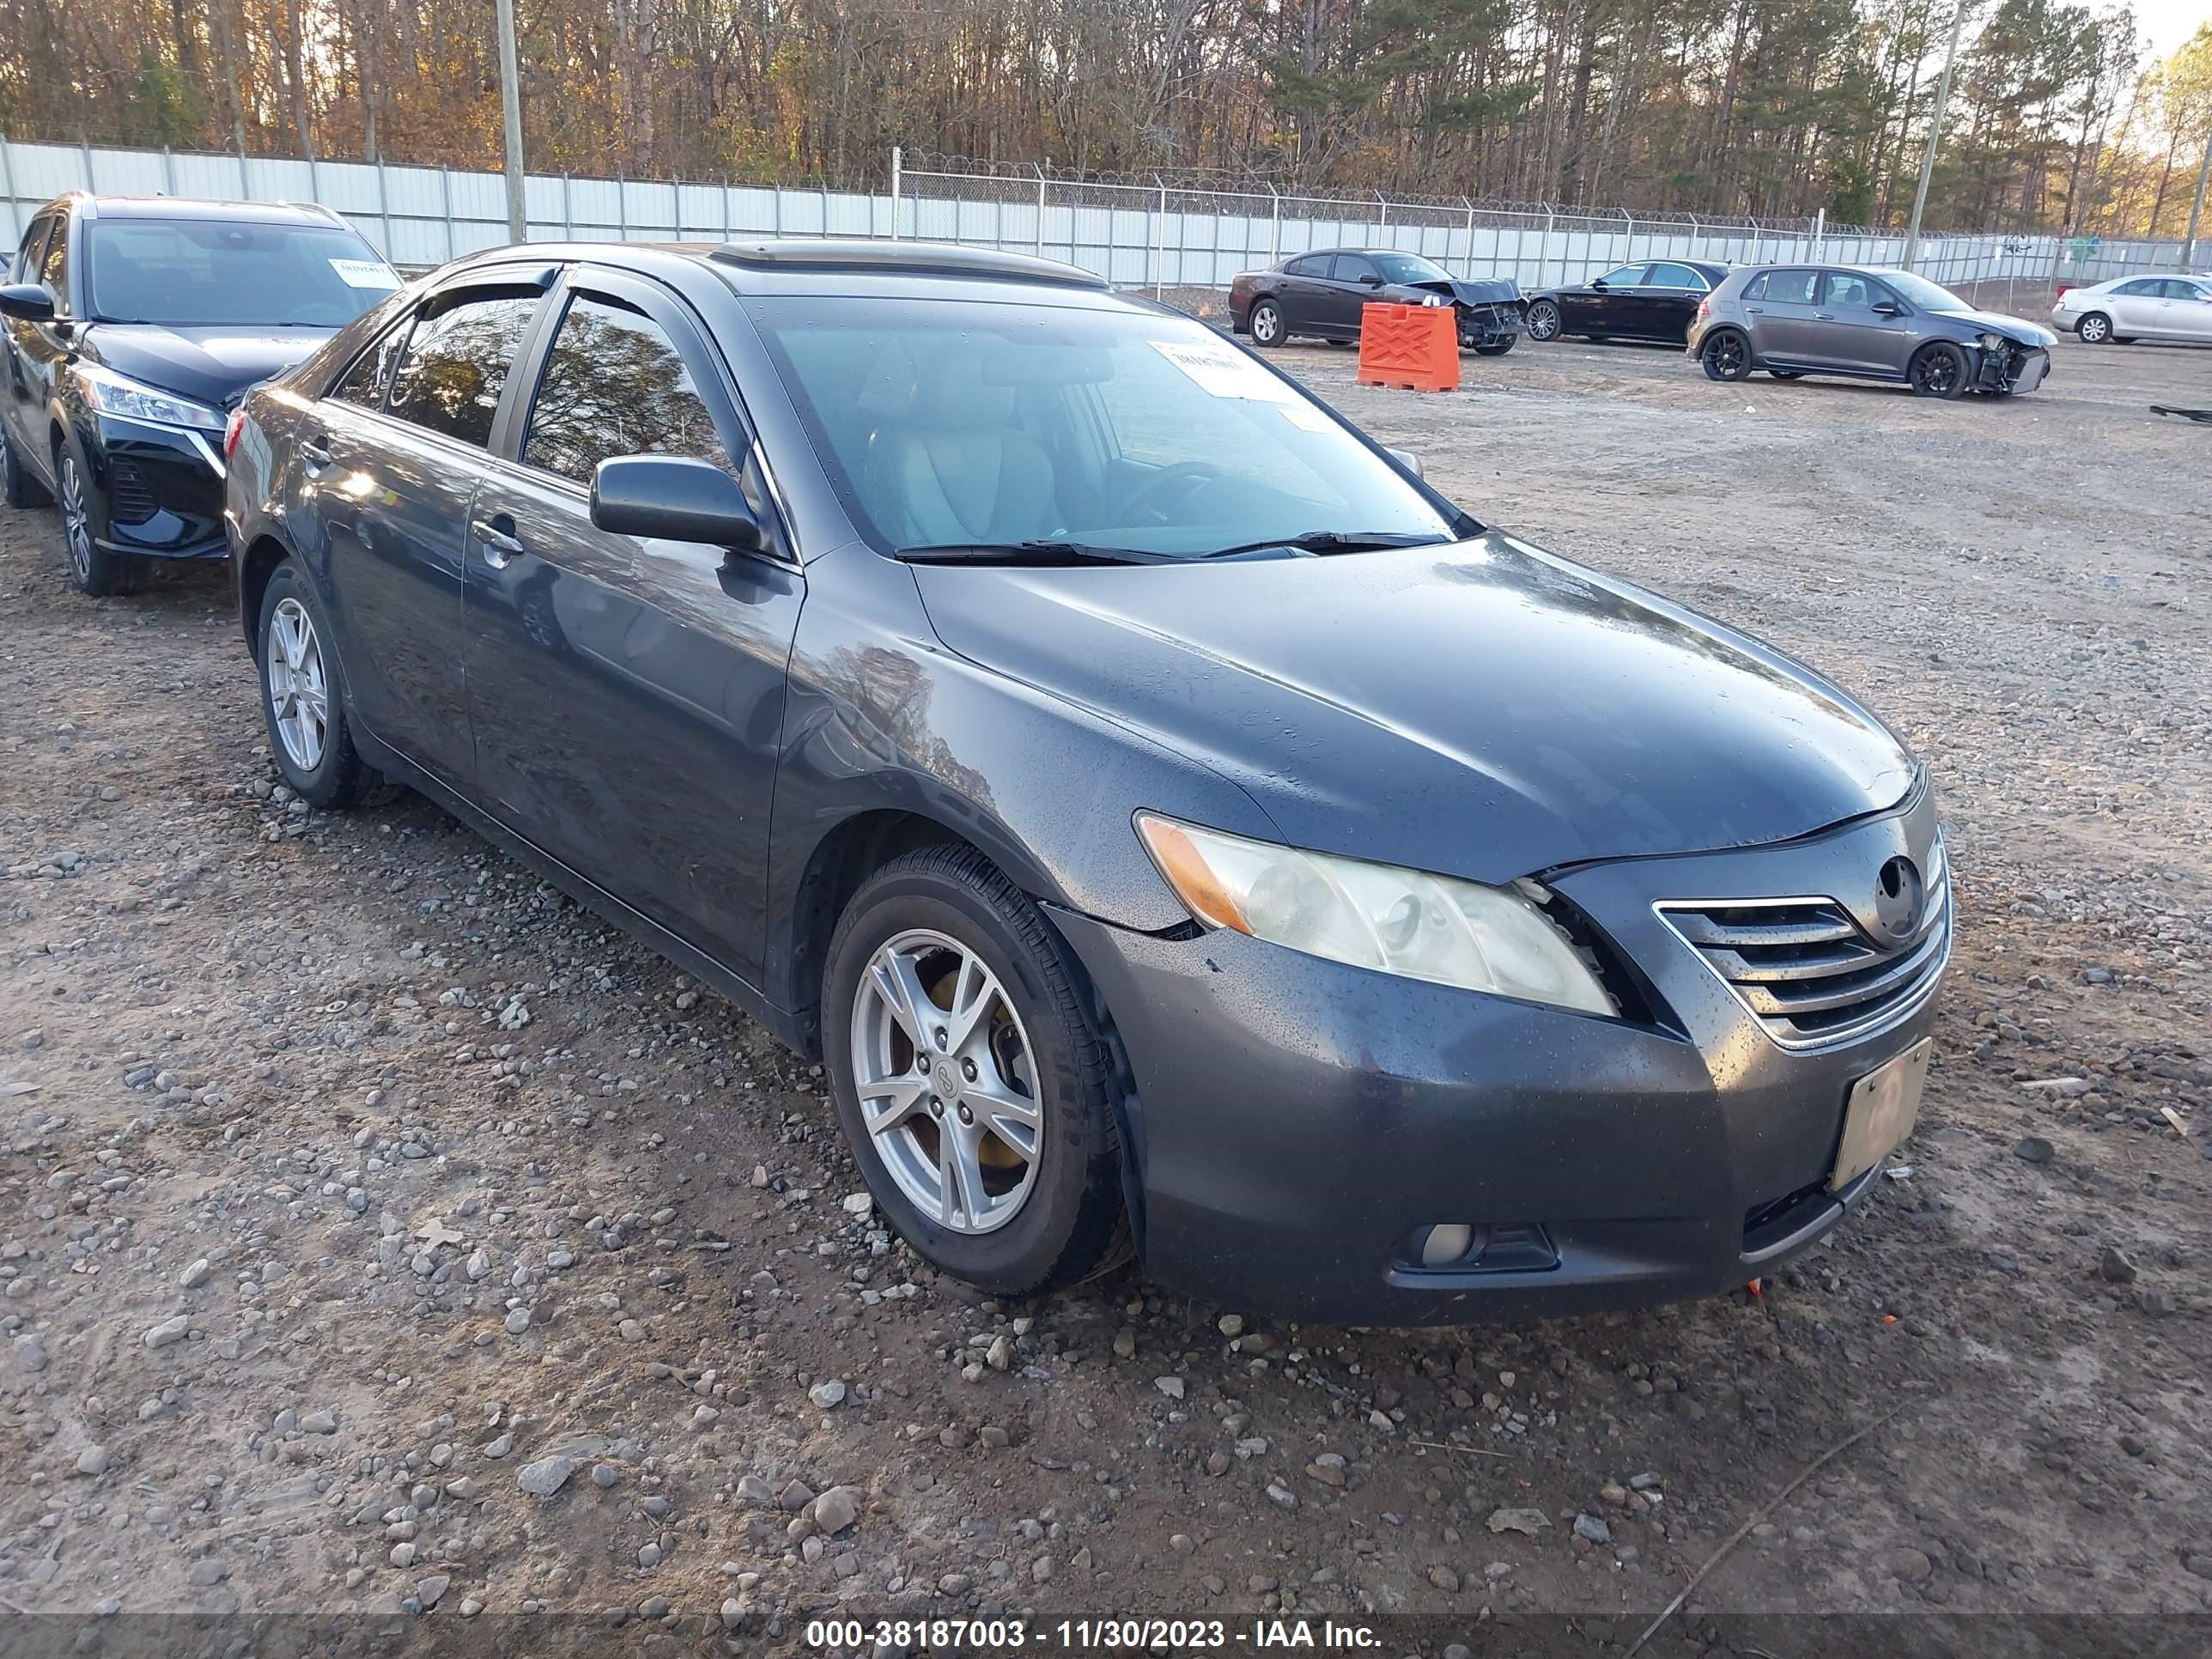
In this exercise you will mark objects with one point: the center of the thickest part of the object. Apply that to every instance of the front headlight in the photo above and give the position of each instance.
(132, 400)
(1408, 922)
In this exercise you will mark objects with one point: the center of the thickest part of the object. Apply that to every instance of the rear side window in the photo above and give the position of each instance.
(1314, 264)
(1672, 275)
(1793, 288)
(615, 384)
(455, 366)
(2142, 288)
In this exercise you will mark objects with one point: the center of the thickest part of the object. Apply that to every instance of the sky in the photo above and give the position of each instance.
(2167, 23)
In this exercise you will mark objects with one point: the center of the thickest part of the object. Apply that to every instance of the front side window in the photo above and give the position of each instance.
(55, 271)
(457, 359)
(1788, 287)
(1351, 267)
(1411, 268)
(952, 421)
(1850, 290)
(365, 381)
(2176, 289)
(615, 385)
(26, 264)
(196, 273)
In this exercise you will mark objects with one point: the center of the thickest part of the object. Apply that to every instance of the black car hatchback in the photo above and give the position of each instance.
(1176, 826)
(133, 325)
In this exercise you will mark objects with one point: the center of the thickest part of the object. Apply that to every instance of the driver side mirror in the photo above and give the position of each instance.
(1598, 282)
(674, 498)
(1887, 308)
(26, 302)
(1370, 280)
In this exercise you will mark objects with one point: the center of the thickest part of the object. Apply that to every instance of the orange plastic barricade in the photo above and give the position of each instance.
(1412, 346)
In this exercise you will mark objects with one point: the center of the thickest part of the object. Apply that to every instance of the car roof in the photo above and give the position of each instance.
(194, 207)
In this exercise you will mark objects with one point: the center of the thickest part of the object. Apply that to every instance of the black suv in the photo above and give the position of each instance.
(134, 325)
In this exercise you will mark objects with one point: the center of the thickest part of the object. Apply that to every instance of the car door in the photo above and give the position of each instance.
(627, 694)
(1300, 291)
(1851, 334)
(1667, 299)
(2135, 307)
(16, 399)
(1354, 281)
(39, 352)
(2189, 309)
(1777, 307)
(390, 465)
(1606, 304)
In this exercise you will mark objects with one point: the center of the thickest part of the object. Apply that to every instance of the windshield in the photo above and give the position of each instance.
(203, 273)
(1929, 296)
(963, 423)
(1409, 268)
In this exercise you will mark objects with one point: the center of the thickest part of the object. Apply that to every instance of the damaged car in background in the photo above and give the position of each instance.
(1321, 294)
(1872, 324)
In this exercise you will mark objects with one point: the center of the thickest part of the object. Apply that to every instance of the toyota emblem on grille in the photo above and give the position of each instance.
(1898, 898)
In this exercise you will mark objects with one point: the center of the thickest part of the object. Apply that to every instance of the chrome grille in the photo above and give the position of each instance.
(1808, 971)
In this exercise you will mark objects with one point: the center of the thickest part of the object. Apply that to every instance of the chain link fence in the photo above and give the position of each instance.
(1186, 235)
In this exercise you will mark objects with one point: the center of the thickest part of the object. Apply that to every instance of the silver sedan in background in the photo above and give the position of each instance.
(2131, 308)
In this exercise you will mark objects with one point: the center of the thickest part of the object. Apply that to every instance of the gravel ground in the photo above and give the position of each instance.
(379, 1233)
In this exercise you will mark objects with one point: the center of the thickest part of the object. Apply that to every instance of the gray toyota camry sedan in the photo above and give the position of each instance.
(1179, 828)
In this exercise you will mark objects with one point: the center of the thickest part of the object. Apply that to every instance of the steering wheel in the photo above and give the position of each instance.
(1190, 476)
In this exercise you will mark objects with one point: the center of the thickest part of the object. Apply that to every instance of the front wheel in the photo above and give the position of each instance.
(1496, 347)
(1726, 356)
(1266, 324)
(2094, 328)
(1787, 373)
(93, 569)
(1938, 370)
(969, 1077)
(1543, 320)
(301, 700)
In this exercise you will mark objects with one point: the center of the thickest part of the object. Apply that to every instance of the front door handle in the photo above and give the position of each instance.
(315, 456)
(1824, 316)
(499, 544)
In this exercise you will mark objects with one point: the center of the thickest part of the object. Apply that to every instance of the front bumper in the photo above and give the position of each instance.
(1486, 324)
(1298, 1122)
(160, 488)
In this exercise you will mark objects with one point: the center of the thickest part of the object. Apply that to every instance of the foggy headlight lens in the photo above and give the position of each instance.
(1406, 922)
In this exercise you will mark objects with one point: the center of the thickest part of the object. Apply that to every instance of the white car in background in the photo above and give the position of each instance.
(2130, 308)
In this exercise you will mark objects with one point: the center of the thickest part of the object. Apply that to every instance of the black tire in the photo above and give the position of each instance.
(1542, 321)
(1342, 343)
(1265, 323)
(338, 778)
(1726, 356)
(2094, 328)
(93, 569)
(17, 486)
(1938, 369)
(1787, 373)
(1072, 1224)
(1496, 347)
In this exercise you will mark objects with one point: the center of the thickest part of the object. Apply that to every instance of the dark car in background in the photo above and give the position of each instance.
(1321, 294)
(1868, 325)
(1177, 827)
(133, 325)
(1645, 300)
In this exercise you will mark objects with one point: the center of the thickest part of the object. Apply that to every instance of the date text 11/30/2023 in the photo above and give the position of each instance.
(1079, 1635)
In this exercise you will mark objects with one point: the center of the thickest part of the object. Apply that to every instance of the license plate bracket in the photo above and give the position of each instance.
(1880, 1112)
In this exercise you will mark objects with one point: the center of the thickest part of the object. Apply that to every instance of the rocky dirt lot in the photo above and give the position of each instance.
(380, 1232)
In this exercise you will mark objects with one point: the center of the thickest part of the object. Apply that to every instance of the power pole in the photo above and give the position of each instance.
(510, 100)
(1935, 132)
(2196, 209)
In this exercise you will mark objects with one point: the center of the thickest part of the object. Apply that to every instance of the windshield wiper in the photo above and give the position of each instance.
(1333, 541)
(1029, 553)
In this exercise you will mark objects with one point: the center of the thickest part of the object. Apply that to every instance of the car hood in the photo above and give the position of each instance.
(1500, 290)
(2017, 328)
(1480, 709)
(210, 365)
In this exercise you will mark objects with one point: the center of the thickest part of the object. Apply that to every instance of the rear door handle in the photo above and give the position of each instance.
(498, 544)
(1756, 311)
(1824, 316)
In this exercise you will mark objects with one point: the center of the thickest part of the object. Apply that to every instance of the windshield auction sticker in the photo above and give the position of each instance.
(365, 273)
(1224, 371)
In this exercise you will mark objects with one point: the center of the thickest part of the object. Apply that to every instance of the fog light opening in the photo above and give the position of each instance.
(1445, 1243)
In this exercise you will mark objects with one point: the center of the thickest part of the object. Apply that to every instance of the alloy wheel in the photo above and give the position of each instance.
(947, 1089)
(1266, 324)
(1727, 356)
(1543, 320)
(299, 690)
(1935, 373)
(77, 521)
(2093, 329)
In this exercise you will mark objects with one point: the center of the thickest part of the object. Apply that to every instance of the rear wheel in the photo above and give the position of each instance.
(1543, 320)
(1726, 356)
(1938, 370)
(302, 702)
(2094, 328)
(92, 568)
(1266, 324)
(969, 1077)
